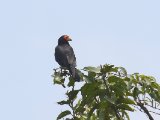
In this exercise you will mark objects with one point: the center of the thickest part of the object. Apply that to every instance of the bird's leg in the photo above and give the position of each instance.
(61, 69)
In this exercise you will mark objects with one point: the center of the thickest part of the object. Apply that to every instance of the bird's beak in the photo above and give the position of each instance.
(69, 39)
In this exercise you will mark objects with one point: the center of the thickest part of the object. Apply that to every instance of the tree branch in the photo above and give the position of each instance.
(145, 110)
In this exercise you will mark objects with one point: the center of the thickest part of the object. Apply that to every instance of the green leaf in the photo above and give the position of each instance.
(102, 87)
(153, 95)
(158, 96)
(71, 82)
(125, 107)
(63, 114)
(104, 104)
(88, 79)
(91, 111)
(113, 79)
(124, 113)
(108, 68)
(72, 94)
(101, 115)
(135, 92)
(120, 88)
(126, 101)
(93, 117)
(89, 89)
(58, 79)
(123, 71)
(155, 85)
(129, 85)
(63, 102)
(91, 76)
(111, 100)
(80, 109)
(92, 69)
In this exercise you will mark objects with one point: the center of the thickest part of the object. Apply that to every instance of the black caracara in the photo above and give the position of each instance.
(65, 56)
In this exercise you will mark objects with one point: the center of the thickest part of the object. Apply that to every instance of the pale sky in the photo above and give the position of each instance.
(120, 32)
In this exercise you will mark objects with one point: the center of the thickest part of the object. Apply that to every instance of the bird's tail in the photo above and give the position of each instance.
(74, 72)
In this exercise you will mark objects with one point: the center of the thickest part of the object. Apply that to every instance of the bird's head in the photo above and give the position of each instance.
(64, 39)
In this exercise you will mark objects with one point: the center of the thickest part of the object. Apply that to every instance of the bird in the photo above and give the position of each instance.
(65, 57)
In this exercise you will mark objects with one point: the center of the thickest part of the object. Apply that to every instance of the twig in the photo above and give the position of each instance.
(152, 107)
(145, 110)
(117, 113)
(154, 112)
(138, 108)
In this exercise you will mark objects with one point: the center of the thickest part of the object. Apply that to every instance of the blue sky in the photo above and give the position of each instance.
(120, 32)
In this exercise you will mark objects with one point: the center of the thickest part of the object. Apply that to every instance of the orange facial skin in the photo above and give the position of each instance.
(66, 38)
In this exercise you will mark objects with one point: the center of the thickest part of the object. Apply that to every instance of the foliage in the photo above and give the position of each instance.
(107, 93)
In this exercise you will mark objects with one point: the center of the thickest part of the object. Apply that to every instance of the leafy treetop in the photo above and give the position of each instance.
(107, 93)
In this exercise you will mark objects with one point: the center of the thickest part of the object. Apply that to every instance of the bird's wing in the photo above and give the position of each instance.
(60, 56)
(70, 56)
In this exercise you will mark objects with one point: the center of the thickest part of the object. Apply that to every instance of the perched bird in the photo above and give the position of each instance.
(65, 56)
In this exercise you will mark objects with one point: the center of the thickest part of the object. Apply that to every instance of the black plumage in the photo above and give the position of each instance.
(65, 56)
